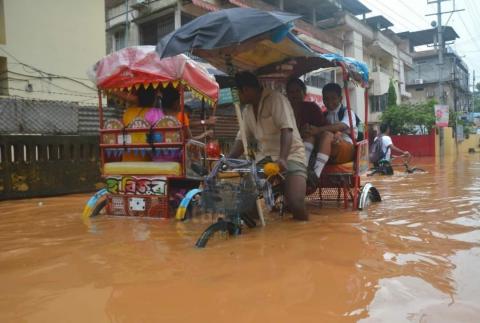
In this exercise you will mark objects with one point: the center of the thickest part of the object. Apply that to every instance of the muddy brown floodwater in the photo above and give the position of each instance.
(414, 257)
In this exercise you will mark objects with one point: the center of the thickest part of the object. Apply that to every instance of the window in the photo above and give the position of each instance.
(378, 103)
(151, 32)
(320, 79)
(119, 40)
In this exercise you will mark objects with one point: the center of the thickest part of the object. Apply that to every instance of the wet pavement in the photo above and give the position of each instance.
(414, 257)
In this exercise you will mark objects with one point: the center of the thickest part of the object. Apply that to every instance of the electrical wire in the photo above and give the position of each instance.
(393, 17)
(402, 2)
(46, 79)
(45, 73)
(470, 34)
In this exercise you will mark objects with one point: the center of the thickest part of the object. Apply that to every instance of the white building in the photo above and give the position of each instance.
(47, 46)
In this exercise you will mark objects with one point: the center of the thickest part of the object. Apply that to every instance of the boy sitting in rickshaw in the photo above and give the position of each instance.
(333, 142)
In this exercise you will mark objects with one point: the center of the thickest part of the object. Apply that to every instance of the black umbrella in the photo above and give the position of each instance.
(222, 29)
(250, 38)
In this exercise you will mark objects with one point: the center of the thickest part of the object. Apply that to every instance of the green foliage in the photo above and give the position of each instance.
(392, 95)
(408, 118)
(476, 103)
(477, 86)
(468, 127)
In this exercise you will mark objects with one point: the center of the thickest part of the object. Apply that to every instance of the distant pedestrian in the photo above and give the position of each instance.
(387, 147)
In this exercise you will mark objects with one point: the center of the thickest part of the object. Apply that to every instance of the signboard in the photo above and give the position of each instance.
(459, 133)
(225, 96)
(441, 115)
(137, 185)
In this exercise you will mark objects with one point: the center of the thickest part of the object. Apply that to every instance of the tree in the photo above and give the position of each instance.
(476, 103)
(477, 86)
(392, 95)
(410, 119)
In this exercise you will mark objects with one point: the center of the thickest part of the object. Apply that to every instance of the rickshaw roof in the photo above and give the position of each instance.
(140, 65)
(289, 57)
(298, 66)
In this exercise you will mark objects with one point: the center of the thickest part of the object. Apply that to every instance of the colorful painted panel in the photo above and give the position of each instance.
(133, 185)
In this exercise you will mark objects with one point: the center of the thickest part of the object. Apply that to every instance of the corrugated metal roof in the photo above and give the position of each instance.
(428, 36)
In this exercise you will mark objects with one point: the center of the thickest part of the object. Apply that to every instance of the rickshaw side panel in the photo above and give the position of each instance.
(341, 183)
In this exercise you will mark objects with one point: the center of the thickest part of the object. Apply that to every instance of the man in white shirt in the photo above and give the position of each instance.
(387, 144)
(269, 120)
(334, 142)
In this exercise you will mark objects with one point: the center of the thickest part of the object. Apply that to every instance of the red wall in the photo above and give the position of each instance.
(418, 146)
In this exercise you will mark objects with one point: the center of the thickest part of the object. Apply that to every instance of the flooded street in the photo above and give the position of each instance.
(414, 257)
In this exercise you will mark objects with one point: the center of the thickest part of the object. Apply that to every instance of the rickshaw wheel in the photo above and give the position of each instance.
(368, 195)
(226, 227)
(98, 208)
(193, 208)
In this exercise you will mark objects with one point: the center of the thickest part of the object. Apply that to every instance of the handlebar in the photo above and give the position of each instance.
(225, 164)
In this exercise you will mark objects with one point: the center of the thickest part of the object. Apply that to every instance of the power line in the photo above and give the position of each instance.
(402, 2)
(46, 79)
(469, 33)
(474, 21)
(395, 15)
(43, 72)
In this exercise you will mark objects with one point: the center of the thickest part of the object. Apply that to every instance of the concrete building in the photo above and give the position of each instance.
(423, 81)
(370, 40)
(47, 46)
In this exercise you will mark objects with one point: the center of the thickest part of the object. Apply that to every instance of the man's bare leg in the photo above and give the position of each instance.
(295, 189)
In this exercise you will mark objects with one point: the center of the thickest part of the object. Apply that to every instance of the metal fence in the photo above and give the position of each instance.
(36, 165)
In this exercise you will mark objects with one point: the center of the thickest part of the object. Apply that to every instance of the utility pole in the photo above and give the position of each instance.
(127, 24)
(473, 92)
(441, 50)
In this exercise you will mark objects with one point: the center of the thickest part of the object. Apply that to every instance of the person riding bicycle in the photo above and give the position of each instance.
(388, 147)
(268, 118)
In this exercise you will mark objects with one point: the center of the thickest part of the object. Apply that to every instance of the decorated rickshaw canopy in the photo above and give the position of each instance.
(137, 66)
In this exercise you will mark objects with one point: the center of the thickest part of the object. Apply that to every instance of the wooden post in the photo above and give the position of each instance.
(243, 135)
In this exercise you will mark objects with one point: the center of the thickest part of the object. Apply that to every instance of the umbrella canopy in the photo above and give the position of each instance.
(141, 65)
(222, 29)
(251, 39)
